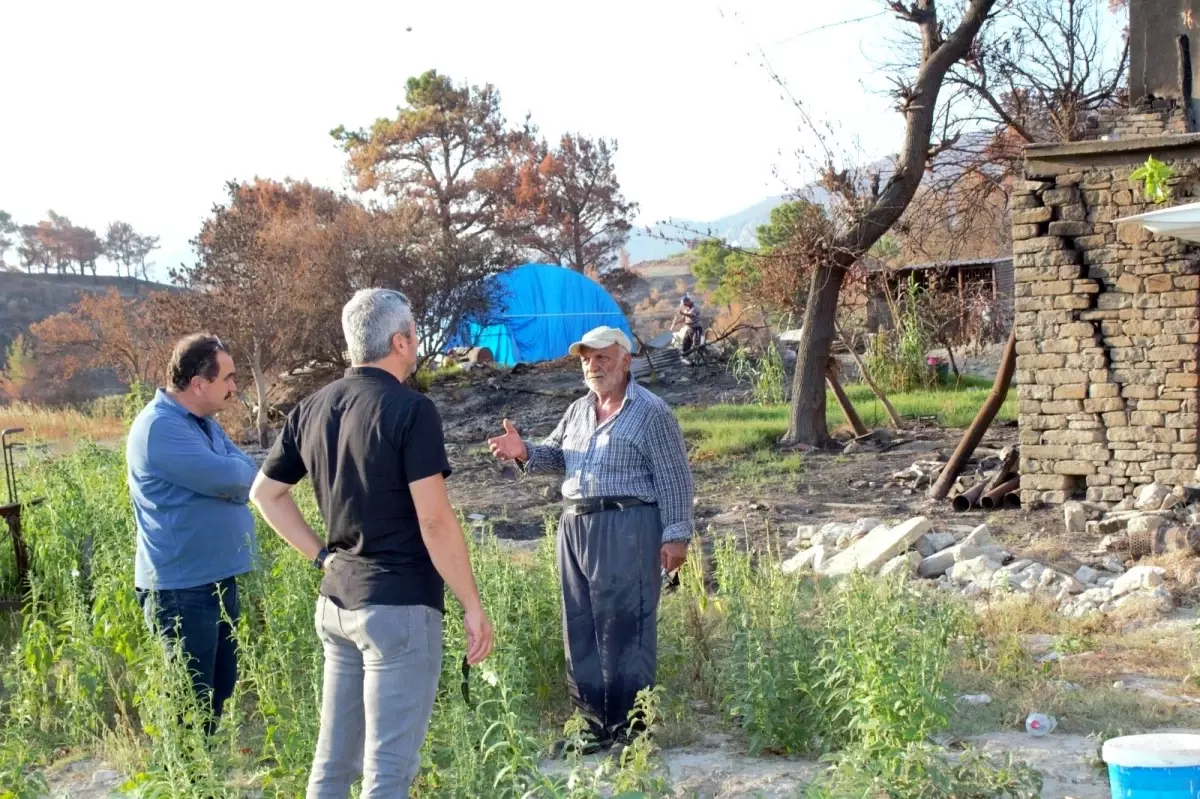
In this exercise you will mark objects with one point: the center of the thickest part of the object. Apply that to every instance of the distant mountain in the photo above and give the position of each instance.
(738, 229)
(666, 239)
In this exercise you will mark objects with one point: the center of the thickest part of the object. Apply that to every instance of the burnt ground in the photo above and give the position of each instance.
(759, 500)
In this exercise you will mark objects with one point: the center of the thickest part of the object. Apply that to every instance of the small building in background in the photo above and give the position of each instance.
(983, 287)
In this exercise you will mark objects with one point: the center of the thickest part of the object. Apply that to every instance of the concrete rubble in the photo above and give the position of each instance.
(975, 566)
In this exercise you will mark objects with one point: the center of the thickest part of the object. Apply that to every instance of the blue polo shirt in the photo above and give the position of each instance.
(189, 485)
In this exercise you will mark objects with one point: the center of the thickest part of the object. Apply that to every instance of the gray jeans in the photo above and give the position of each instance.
(381, 673)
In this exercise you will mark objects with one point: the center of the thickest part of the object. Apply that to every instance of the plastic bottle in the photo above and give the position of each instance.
(1039, 724)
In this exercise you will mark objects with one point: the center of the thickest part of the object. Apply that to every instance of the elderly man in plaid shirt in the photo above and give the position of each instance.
(627, 518)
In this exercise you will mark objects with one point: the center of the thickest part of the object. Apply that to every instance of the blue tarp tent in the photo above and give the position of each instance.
(541, 310)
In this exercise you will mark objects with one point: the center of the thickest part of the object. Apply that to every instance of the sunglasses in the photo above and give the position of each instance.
(466, 683)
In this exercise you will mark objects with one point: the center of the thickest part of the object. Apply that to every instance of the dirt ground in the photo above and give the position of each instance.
(763, 511)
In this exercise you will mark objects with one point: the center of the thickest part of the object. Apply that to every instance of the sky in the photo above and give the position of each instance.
(141, 111)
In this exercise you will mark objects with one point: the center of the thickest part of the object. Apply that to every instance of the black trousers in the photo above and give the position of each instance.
(611, 581)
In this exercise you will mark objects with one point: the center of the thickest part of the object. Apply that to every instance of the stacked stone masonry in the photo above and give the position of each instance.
(1108, 335)
(1155, 117)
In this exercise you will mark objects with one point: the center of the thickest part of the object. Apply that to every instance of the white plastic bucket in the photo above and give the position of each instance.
(1158, 766)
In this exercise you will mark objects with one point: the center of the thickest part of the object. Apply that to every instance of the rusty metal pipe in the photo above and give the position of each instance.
(1012, 500)
(995, 498)
(969, 498)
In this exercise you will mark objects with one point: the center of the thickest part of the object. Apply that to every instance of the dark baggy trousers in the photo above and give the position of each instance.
(611, 580)
(195, 616)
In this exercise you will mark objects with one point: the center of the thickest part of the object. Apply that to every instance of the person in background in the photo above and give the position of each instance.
(628, 518)
(689, 314)
(375, 453)
(195, 534)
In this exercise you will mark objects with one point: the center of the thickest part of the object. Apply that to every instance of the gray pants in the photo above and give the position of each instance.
(381, 673)
(611, 579)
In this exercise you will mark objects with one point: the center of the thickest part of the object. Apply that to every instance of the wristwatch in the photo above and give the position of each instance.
(319, 560)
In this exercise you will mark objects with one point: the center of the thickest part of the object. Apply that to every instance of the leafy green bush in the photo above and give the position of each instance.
(764, 373)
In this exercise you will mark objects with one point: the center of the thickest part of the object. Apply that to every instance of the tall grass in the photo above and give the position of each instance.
(796, 667)
(95, 423)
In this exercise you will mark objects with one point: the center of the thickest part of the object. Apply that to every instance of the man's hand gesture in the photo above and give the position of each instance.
(509, 447)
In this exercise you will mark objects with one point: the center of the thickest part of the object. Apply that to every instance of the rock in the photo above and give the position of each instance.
(828, 535)
(972, 591)
(804, 534)
(1113, 565)
(1150, 497)
(1148, 523)
(1138, 578)
(878, 547)
(105, 776)
(1086, 575)
(1173, 500)
(1158, 598)
(976, 570)
(852, 448)
(980, 536)
(810, 558)
(970, 546)
(1011, 576)
(1125, 504)
(479, 517)
(1075, 517)
(864, 526)
(939, 563)
(996, 553)
(932, 543)
(906, 563)
(1106, 582)
(1097, 596)
(1107, 526)
(1017, 566)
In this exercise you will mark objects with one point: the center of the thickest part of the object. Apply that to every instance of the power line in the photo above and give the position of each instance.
(833, 25)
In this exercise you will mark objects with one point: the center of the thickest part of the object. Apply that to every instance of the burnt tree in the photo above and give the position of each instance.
(918, 102)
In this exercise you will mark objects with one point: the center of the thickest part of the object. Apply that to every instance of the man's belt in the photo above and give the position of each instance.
(582, 507)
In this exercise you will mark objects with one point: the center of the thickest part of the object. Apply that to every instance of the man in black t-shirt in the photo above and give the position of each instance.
(375, 453)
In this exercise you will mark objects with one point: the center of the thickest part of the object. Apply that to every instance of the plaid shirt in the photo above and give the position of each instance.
(637, 452)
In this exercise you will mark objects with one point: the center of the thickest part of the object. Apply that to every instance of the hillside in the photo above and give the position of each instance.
(25, 299)
(653, 299)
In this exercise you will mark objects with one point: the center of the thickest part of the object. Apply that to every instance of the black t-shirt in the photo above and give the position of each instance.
(363, 439)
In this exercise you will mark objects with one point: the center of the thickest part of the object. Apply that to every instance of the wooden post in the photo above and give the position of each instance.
(962, 303)
(844, 401)
(974, 434)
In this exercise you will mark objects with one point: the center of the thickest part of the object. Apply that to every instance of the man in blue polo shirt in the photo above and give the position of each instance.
(189, 485)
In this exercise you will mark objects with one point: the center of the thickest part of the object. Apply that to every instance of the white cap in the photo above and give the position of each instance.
(601, 337)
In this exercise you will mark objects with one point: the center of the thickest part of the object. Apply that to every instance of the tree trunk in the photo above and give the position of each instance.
(983, 420)
(953, 363)
(260, 387)
(577, 241)
(807, 424)
(846, 405)
(897, 422)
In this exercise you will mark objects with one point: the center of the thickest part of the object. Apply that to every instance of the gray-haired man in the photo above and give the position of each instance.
(375, 453)
(628, 516)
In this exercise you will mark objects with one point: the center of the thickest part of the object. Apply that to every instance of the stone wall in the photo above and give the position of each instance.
(1106, 323)
(1157, 117)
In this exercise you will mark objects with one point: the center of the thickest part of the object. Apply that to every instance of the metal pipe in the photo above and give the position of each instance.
(1012, 500)
(969, 498)
(995, 498)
